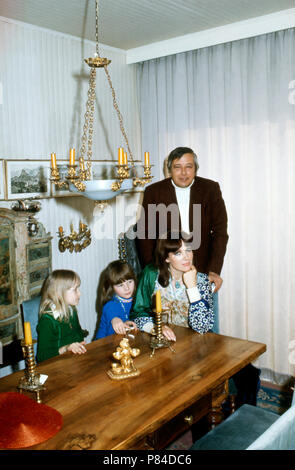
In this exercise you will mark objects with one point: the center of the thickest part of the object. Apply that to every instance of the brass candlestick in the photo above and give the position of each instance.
(31, 380)
(158, 340)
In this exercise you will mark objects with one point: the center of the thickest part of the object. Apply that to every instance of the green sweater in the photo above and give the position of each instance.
(55, 333)
(200, 312)
(142, 306)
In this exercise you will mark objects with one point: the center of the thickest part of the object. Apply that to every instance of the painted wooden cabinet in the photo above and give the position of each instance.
(25, 261)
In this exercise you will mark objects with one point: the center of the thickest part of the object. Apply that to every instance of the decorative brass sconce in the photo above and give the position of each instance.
(75, 241)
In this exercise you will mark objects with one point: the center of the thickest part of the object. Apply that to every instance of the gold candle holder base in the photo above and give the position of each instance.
(158, 340)
(31, 380)
(123, 375)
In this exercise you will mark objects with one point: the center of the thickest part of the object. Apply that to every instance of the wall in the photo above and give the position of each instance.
(44, 90)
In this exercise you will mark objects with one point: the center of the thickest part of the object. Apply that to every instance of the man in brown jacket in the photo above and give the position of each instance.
(196, 206)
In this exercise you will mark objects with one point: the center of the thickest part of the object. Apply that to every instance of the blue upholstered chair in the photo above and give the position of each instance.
(30, 310)
(252, 428)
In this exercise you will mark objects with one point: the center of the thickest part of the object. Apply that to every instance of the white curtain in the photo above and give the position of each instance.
(234, 104)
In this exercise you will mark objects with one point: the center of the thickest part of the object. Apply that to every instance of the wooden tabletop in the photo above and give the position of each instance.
(117, 414)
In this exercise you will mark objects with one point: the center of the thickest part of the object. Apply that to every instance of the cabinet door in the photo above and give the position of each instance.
(10, 326)
(39, 265)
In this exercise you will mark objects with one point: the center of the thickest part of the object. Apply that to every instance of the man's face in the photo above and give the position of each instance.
(183, 170)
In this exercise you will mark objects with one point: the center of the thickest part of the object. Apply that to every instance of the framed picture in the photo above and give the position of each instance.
(2, 179)
(27, 178)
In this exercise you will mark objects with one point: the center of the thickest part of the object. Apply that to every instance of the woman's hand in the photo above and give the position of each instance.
(168, 333)
(190, 278)
(76, 348)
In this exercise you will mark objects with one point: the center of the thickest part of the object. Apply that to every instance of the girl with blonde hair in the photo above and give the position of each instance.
(58, 327)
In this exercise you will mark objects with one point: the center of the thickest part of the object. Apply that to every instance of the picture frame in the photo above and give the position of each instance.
(27, 179)
(2, 180)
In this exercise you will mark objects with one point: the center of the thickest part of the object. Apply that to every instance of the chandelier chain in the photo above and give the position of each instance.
(96, 27)
(120, 117)
(89, 117)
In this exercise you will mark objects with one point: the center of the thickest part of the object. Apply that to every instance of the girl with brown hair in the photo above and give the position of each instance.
(119, 286)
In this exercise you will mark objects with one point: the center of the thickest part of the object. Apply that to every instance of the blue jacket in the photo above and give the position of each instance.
(113, 308)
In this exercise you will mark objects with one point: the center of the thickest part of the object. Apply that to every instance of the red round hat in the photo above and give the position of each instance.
(24, 422)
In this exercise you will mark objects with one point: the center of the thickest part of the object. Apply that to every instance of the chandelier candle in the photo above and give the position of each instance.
(120, 156)
(53, 161)
(146, 159)
(72, 156)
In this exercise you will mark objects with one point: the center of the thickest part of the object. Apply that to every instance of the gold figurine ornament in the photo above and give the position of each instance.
(124, 353)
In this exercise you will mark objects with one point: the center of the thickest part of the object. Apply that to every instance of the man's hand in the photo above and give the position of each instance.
(213, 277)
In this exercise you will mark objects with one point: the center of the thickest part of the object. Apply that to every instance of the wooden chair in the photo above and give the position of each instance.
(30, 311)
(128, 250)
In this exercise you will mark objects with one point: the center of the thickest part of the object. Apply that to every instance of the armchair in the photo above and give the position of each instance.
(252, 428)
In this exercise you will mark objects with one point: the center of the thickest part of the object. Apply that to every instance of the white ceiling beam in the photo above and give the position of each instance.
(210, 37)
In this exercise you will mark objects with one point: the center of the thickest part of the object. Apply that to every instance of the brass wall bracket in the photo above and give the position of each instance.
(75, 241)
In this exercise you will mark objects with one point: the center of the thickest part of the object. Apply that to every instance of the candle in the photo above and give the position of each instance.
(146, 159)
(53, 161)
(60, 229)
(158, 302)
(28, 333)
(120, 155)
(125, 158)
(72, 156)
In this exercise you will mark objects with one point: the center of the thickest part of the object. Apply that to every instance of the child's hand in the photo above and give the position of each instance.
(77, 348)
(130, 325)
(118, 326)
(190, 278)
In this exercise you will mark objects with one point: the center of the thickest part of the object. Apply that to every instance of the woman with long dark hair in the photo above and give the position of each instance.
(186, 295)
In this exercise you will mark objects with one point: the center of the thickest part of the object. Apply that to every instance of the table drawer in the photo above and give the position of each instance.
(178, 425)
(219, 394)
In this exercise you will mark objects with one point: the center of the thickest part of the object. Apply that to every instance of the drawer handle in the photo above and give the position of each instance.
(189, 420)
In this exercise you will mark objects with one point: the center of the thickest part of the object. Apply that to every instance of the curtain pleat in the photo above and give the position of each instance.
(231, 104)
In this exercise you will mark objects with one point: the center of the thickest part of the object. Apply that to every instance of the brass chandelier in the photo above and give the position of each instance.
(79, 178)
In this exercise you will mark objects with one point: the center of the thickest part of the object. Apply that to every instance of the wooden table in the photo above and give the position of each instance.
(173, 390)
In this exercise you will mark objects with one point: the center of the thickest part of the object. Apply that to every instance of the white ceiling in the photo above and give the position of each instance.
(128, 24)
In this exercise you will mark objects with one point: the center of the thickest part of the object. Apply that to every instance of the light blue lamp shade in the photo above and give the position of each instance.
(101, 190)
